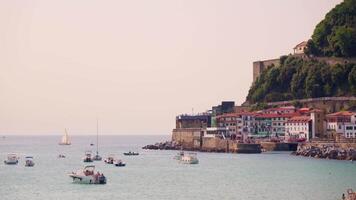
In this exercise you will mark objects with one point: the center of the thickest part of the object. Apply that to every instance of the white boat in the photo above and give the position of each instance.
(65, 139)
(179, 155)
(87, 157)
(119, 163)
(110, 159)
(191, 158)
(29, 161)
(88, 176)
(97, 157)
(12, 159)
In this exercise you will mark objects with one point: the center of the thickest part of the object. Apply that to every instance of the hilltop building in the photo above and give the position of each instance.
(260, 66)
(299, 48)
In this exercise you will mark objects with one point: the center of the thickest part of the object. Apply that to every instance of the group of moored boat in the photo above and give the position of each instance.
(88, 175)
(13, 159)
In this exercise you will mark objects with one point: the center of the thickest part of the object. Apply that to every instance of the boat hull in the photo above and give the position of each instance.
(11, 162)
(80, 179)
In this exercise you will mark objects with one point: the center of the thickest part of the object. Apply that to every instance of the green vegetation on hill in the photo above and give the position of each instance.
(298, 78)
(336, 34)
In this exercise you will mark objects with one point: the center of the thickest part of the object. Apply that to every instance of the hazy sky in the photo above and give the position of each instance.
(136, 64)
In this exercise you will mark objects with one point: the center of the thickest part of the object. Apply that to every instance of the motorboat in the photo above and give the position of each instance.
(110, 159)
(131, 153)
(191, 158)
(12, 159)
(88, 176)
(87, 157)
(65, 139)
(61, 156)
(97, 157)
(179, 155)
(29, 161)
(119, 163)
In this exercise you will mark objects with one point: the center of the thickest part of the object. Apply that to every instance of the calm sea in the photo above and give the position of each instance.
(156, 175)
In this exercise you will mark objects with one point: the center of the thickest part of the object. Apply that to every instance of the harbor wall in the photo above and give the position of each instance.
(192, 139)
(189, 138)
(274, 146)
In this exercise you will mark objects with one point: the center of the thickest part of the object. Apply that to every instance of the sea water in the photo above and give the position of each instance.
(156, 175)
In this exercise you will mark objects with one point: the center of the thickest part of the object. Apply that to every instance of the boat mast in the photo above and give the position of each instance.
(97, 136)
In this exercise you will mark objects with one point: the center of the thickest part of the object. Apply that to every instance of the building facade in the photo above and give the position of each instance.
(299, 127)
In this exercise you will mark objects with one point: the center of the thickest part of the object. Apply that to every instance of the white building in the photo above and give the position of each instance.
(343, 123)
(299, 49)
(299, 127)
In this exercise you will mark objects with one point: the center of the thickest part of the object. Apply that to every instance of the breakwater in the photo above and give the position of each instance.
(210, 145)
(326, 151)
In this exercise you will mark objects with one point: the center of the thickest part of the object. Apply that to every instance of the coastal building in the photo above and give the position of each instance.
(193, 121)
(299, 127)
(299, 48)
(248, 123)
(233, 123)
(342, 123)
(273, 123)
(224, 107)
(217, 132)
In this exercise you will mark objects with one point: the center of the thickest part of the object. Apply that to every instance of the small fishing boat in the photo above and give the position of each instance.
(87, 157)
(88, 176)
(110, 159)
(131, 153)
(97, 157)
(29, 161)
(191, 158)
(61, 156)
(179, 155)
(12, 159)
(65, 139)
(119, 163)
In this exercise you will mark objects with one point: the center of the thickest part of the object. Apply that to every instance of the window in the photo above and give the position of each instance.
(348, 127)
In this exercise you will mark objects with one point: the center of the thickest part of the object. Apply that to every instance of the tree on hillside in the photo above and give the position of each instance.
(336, 34)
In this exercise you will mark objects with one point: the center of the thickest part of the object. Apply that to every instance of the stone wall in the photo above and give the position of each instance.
(274, 146)
(189, 138)
(260, 66)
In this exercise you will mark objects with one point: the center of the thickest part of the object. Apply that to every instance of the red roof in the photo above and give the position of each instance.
(285, 115)
(341, 114)
(299, 119)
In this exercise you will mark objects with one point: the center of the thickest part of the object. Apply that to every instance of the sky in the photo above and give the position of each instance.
(135, 65)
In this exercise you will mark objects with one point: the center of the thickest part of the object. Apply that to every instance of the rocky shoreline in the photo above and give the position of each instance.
(168, 145)
(326, 152)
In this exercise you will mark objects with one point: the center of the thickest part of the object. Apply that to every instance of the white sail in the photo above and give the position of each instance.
(65, 139)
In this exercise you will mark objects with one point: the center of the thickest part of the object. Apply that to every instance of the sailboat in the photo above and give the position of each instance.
(97, 157)
(65, 139)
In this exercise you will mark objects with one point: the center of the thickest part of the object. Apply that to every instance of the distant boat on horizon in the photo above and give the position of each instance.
(65, 139)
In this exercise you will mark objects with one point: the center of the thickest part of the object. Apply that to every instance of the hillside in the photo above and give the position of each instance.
(298, 78)
(336, 34)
